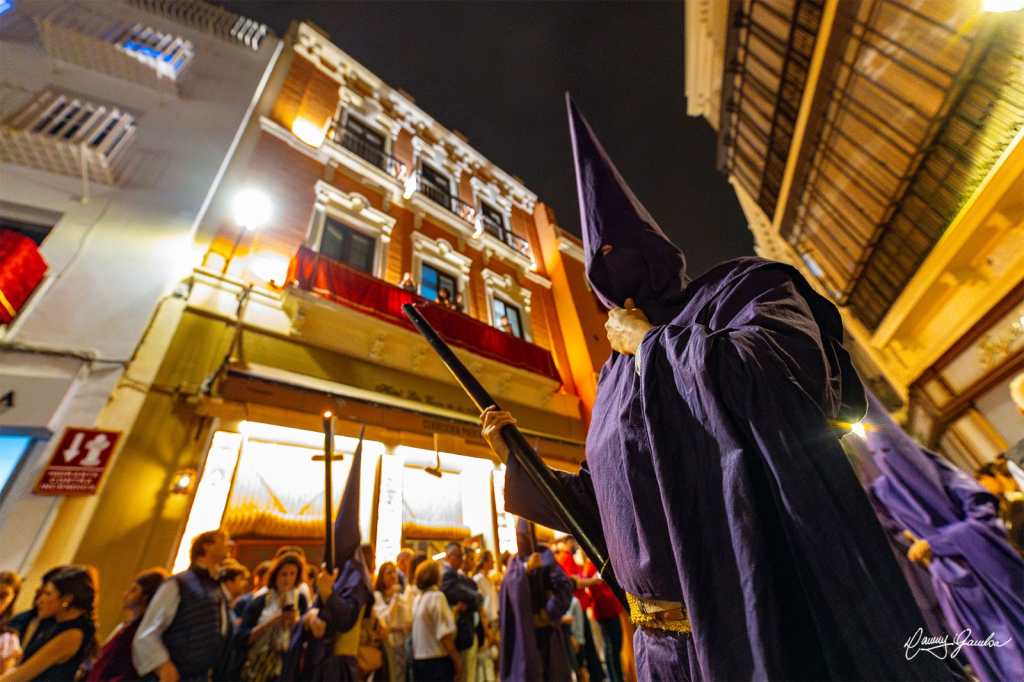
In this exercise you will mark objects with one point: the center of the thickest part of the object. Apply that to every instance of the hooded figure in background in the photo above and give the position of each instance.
(948, 524)
(325, 642)
(535, 594)
(733, 520)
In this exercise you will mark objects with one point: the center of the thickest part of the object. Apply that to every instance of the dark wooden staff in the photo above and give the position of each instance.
(551, 488)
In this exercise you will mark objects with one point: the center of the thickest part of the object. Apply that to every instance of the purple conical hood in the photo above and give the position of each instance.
(526, 537)
(643, 263)
(347, 537)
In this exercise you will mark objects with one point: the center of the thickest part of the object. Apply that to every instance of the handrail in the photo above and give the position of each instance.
(369, 153)
(446, 199)
(506, 235)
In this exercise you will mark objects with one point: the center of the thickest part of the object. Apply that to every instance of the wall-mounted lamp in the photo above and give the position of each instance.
(184, 481)
(251, 210)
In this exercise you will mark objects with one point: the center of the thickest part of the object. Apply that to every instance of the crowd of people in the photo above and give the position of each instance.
(430, 618)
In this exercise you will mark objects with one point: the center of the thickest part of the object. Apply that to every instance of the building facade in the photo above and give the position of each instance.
(115, 123)
(876, 145)
(339, 186)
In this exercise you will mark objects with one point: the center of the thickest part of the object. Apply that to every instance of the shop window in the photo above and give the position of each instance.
(12, 451)
(502, 309)
(433, 280)
(345, 245)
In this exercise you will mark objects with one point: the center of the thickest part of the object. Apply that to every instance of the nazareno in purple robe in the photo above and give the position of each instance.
(312, 659)
(977, 576)
(530, 653)
(713, 469)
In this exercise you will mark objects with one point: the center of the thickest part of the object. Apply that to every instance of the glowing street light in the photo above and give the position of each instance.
(251, 210)
(858, 428)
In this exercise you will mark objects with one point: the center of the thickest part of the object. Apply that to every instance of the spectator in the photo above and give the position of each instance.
(572, 626)
(10, 645)
(465, 600)
(460, 303)
(27, 623)
(435, 658)
(392, 610)
(114, 663)
(488, 617)
(445, 298)
(311, 573)
(54, 654)
(259, 583)
(268, 620)
(187, 626)
(566, 557)
(505, 326)
(234, 579)
(607, 608)
(407, 282)
(403, 565)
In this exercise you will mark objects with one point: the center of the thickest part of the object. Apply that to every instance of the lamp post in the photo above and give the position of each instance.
(252, 211)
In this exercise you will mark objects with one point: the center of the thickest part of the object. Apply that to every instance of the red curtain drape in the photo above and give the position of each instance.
(22, 268)
(332, 280)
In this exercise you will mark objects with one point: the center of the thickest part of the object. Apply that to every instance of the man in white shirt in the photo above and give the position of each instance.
(186, 626)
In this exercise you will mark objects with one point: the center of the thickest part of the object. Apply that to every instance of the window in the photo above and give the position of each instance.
(433, 280)
(499, 309)
(363, 141)
(347, 246)
(12, 450)
(494, 221)
(436, 186)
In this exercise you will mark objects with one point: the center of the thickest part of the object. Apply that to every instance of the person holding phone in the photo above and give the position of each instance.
(268, 620)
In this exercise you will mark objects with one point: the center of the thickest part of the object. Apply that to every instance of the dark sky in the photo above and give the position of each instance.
(497, 71)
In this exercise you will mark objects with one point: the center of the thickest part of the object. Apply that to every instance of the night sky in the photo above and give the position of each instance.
(497, 71)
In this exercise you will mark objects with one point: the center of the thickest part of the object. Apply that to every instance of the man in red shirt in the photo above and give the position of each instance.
(606, 612)
(566, 557)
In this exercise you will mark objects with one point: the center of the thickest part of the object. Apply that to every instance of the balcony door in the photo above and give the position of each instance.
(433, 281)
(346, 245)
(364, 141)
(436, 186)
(494, 221)
(500, 309)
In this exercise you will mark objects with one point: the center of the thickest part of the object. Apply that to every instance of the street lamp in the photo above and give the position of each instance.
(251, 210)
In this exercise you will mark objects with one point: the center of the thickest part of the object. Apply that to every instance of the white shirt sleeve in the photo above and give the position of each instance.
(443, 618)
(148, 650)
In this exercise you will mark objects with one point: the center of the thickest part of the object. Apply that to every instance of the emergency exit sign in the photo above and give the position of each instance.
(78, 462)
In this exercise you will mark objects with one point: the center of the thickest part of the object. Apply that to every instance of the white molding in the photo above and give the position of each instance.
(356, 212)
(571, 249)
(508, 289)
(537, 278)
(440, 254)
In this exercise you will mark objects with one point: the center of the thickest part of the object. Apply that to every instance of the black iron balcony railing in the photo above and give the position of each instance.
(443, 198)
(370, 153)
(505, 235)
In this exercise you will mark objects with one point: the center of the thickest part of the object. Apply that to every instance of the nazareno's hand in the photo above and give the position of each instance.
(493, 420)
(626, 328)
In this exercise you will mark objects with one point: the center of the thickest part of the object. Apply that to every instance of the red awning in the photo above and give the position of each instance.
(22, 268)
(330, 279)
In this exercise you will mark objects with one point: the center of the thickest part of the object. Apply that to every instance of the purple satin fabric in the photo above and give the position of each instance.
(976, 575)
(718, 482)
(529, 653)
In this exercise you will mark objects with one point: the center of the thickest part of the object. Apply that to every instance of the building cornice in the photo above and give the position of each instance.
(571, 249)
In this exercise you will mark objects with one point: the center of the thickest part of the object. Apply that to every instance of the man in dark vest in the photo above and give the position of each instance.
(186, 626)
(465, 600)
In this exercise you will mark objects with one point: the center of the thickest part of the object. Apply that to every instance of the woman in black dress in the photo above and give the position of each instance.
(54, 654)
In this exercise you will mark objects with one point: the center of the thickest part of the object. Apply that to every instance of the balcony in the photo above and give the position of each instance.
(371, 154)
(370, 297)
(438, 196)
(505, 236)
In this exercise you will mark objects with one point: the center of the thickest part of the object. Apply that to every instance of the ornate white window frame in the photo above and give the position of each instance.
(370, 114)
(436, 157)
(355, 211)
(505, 288)
(440, 254)
(486, 191)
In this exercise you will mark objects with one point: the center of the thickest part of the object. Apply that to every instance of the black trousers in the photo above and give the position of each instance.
(433, 670)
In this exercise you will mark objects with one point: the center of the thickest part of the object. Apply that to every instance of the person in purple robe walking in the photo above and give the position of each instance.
(325, 643)
(950, 526)
(535, 594)
(732, 518)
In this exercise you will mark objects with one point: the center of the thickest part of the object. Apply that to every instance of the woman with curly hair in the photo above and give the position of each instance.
(268, 620)
(54, 654)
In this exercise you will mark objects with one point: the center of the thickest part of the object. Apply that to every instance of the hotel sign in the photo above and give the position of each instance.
(78, 462)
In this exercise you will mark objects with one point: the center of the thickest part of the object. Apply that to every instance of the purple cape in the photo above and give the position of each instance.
(529, 653)
(719, 482)
(977, 577)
